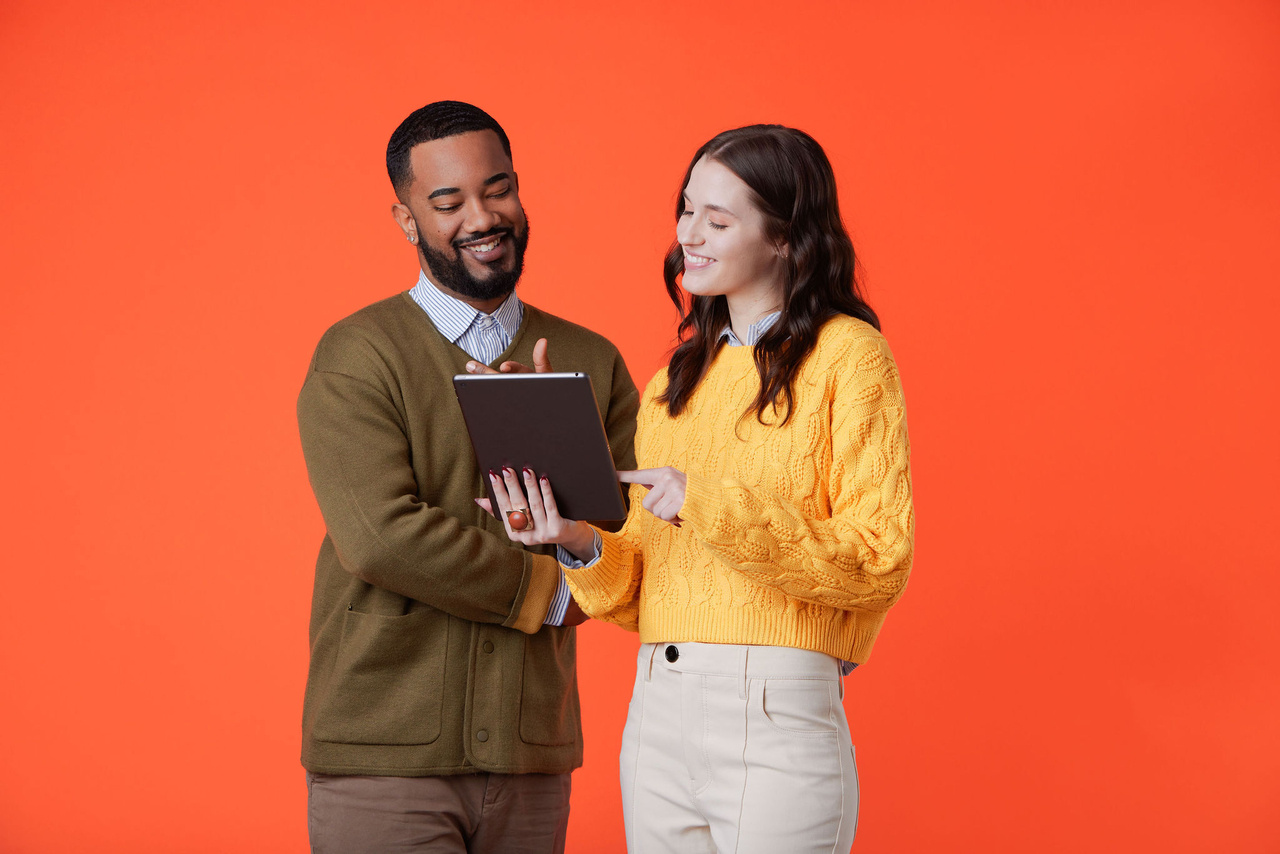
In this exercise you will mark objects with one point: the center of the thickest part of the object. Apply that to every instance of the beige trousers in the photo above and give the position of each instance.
(737, 749)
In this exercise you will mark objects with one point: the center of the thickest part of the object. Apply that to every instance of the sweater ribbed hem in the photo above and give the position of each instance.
(847, 635)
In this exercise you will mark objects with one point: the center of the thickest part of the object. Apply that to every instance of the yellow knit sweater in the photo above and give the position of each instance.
(799, 535)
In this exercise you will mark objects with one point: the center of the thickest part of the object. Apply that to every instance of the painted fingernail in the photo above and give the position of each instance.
(529, 472)
(544, 479)
(492, 475)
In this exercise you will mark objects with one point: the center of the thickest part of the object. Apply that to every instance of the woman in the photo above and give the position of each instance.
(776, 531)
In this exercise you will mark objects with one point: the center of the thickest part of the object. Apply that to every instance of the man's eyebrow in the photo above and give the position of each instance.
(450, 191)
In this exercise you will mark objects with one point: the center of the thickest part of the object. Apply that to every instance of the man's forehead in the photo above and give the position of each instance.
(463, 160)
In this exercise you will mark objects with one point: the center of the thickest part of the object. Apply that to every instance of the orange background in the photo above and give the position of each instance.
(1068, 215)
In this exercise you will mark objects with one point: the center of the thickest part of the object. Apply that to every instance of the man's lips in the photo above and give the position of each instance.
(488, 248)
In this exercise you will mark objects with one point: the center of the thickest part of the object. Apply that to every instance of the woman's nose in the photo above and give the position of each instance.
(687, 233)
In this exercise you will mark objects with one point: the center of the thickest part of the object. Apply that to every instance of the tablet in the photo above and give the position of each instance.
(550, 423)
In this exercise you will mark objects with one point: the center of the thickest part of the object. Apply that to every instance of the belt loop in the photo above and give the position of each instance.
(742, 675)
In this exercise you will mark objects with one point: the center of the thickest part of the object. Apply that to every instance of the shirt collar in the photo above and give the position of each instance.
(453, 317)
(753, 332)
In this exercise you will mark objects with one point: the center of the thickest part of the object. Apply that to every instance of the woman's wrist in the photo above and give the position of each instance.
(580, 541)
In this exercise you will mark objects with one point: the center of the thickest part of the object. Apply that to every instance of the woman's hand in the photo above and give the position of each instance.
(540, 521)
(666, 491)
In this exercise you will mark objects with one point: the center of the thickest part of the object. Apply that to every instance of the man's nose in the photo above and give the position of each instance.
(480, 218)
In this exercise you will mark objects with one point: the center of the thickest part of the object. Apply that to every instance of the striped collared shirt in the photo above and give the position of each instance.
(483, 337)
(754, 331)
(471, 329)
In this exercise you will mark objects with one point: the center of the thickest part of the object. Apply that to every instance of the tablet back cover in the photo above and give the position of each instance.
(550, 423)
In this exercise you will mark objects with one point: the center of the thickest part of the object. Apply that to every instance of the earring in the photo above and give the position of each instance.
(410, 238)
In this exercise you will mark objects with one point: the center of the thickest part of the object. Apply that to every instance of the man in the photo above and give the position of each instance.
(441, 710)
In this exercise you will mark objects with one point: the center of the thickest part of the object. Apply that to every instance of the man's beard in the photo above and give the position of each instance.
(450, 269)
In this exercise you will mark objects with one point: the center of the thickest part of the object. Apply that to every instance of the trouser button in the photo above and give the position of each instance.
(672, 653)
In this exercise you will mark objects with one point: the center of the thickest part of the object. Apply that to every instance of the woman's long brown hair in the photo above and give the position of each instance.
(795, 188)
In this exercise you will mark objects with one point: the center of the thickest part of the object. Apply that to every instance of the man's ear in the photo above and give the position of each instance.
(400, 213)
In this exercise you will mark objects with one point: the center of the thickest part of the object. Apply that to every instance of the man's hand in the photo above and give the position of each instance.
(541, 364)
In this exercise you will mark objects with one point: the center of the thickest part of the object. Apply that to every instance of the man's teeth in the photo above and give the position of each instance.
(485, 247)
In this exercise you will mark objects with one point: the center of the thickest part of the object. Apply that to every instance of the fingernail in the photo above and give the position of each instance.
(492, 475)
(544, 479)
(529, 472)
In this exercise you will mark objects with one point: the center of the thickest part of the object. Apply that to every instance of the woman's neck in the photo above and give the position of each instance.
(745, 310)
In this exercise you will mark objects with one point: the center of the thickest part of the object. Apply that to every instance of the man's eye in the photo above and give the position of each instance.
(501, 194)
(447, 208)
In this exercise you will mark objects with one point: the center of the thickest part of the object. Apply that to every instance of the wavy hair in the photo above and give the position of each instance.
(793, 185)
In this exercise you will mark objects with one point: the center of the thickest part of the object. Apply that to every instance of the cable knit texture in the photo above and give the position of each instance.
(797, 535)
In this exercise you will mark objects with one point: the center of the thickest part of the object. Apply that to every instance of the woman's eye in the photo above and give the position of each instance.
(717, 225)
(686, 213)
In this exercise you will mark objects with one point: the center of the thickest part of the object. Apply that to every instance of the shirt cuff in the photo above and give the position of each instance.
(559, 603)
(568, 561)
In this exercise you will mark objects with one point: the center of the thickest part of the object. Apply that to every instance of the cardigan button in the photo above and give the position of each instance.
(672, 653)
(482, 735)
(487, 646)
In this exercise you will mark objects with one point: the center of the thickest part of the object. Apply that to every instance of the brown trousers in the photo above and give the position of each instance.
(463, 814)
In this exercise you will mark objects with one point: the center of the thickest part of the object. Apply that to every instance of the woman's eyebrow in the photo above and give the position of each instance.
(720, 208)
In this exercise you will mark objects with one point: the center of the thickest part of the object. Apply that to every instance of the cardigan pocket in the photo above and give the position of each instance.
(549, 710)
(385, 685)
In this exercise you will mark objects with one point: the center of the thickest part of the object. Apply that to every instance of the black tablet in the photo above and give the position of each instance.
(550, 423)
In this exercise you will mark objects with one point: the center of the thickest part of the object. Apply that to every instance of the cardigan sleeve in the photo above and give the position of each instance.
(859, 556)
(358, 459)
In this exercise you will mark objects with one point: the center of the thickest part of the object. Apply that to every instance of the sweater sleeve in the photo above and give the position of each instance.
(858, 557)
(359, 462)
(608, 589)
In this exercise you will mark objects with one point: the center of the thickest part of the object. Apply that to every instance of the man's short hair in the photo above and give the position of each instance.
(434, 121)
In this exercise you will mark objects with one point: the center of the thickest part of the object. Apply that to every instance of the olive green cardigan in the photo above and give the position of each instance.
(428, 653)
